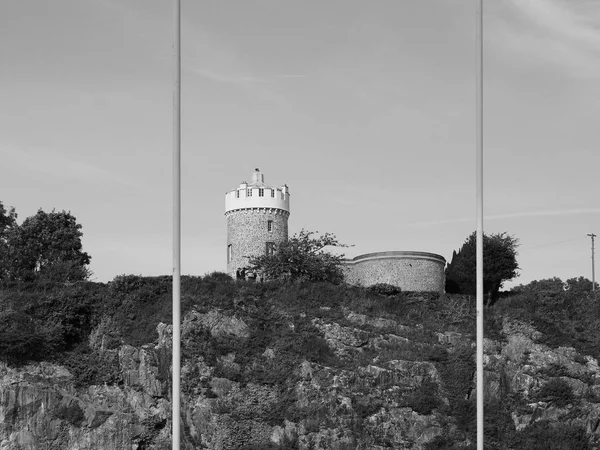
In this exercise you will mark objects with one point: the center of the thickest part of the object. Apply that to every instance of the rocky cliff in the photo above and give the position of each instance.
(355, 371)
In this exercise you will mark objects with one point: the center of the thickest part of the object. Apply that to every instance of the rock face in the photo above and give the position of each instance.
(558, 385)
(42, 409)
(398, 393)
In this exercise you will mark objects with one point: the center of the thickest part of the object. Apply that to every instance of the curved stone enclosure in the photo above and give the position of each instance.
(410, 271)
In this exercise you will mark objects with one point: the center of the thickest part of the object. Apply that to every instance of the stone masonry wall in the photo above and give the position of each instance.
(247, 233)
(409, 272)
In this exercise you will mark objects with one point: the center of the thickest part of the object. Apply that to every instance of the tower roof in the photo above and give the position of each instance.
(258, 180)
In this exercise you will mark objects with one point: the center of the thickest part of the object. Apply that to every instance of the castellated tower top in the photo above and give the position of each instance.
(257, 194)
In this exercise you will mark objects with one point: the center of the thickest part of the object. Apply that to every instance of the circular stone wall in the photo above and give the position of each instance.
(410, 271)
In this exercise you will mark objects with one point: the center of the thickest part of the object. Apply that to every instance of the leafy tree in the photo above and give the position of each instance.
(46, 246)
(8, 221)
(302, 257)
(499, 265)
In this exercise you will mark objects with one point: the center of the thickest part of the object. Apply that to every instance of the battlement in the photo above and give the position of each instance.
(257, 194)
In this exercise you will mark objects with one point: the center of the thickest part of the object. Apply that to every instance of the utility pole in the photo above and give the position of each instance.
(592, 235)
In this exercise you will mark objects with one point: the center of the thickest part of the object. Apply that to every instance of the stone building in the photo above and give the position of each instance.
(257, 219)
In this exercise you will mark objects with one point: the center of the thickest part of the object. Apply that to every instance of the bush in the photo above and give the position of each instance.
(366, 406)
(543, 435)
(218, 277)
(457, 373)
(126, 284)
(424, 399)
(137, 305)
(556, 391)
(90, 367)
(22, 338)
(444, 442)
(385, 289)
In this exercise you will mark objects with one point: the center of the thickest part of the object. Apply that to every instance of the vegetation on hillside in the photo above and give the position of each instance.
(51, 321)
(279, 315)
(566, 313)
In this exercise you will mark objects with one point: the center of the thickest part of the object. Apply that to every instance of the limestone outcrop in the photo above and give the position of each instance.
(397, 386)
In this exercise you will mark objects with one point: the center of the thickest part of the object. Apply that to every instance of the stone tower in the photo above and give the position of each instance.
(257, 218)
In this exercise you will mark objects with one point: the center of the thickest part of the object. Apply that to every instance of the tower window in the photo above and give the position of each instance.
(261, 192)
(272, 192)
(270, 248)
(248, 192)
(270, 225)
(229, 254)
(237, 194)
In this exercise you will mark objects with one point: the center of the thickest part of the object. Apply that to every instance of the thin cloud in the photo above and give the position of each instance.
(564, 33)
(563, 18)
(244, 80)
(116, 6)
(255, 86)
(241, 79)
(205, 55)
(52, 164)
(566, 212)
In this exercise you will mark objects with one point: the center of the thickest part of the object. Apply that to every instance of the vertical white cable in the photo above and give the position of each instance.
(176, 369)
(479, 163)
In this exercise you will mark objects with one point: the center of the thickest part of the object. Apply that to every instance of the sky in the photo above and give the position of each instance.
(366, 110)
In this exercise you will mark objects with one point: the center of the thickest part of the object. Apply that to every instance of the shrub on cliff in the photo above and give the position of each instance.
(423, 399)
(385, 289)
(546, 435)
(303, 257)
(39, 321)
(92, 367)
(566, 317)
(22, 338)
(557, 391)
(137, 304)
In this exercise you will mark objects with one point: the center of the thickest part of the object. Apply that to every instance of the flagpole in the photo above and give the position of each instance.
(176, 363)
(479, 247)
